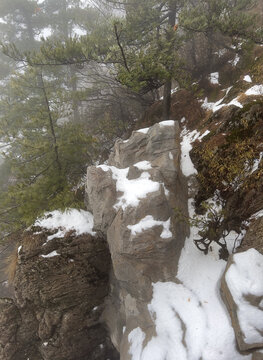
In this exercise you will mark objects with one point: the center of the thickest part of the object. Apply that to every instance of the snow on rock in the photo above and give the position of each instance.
(235, 102)
(212, 106)
(186, 163)
(50, 255)
(179, 324)
(143, 165)
(143, 131)
(78, 220)
(191, 321)
(136, 338)
(257, 215)
(213, 77)
(257, 162)
(133, 190)
(147, 223)
(247, 78)
(203, 135)
(219, 104)
(166, 123)
(233, 240)
(255, 90)
(244, 282)
(235, 61)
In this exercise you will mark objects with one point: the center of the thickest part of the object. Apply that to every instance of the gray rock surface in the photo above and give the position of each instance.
(254, 236)
(100, 197)
(143, 257)
(257, 355)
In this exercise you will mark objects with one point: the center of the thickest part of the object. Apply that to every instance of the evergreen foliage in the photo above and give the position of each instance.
(48, 155)
(67, 98)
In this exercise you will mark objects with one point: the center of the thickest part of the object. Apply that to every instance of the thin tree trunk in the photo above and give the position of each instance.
(75, 102)
(168, 84)
(54, 138)
(167, 100)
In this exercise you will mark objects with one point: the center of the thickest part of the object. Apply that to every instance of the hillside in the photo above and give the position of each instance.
(131, 190)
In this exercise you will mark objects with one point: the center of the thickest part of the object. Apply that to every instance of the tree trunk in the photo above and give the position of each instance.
(51, 124)
(74, 87)
(167, 100)
(168, 83)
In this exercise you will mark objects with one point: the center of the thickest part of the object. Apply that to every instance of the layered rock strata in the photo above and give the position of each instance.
(60, 286)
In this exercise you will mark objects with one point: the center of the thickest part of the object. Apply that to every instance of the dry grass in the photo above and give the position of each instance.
(31, 242)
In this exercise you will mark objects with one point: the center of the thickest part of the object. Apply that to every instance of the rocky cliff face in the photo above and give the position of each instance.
(133, 285)
(144, 180)
(60, 286)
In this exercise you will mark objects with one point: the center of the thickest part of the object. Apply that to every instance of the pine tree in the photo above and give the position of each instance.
(48, 155)
(149, 46)
(222, 23)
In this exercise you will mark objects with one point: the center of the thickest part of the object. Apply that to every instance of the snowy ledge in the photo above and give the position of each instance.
(78, 220)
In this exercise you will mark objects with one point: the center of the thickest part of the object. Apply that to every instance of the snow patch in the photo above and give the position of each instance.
(257, 162)
(167, 123)
(235, 102)
(255, 90)
(133, 190)
(50, 255)
(219, 104)
(143, 165)
(213, 77)
(186, 162)
(235, 61)
(257, 215)
(203, 135)
(180, 324)
(247, 78)
(143, 131)
(78, 220)
(136, 338)
(148, 222)
(59, 234)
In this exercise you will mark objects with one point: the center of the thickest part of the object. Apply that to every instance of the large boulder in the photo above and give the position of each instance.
(142, 185)
(242, 291)
(60, 286)
(101, 196)
(254, 236)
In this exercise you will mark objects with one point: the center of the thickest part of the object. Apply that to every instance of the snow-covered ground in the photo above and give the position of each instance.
(256, 90)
